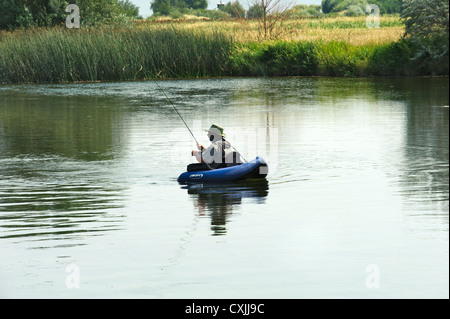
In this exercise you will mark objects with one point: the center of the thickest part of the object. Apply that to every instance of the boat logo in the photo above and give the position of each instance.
(196, 176)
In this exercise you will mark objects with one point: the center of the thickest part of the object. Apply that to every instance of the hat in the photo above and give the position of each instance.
(216, 129)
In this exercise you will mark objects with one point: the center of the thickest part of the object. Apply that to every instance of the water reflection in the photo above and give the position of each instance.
(407, 117)
(425, 171)
(57, 153)
(217, 201)
(49, 200)
(81, 127)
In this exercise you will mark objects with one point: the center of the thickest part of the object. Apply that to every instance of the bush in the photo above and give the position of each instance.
(274, 59)
(427, 28)
(393, 59)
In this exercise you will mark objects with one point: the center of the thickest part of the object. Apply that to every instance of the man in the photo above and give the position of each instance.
(218, 155)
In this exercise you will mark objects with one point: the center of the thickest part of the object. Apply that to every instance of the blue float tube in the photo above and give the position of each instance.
(256, 168)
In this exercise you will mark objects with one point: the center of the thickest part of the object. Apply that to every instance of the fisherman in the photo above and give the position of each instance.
(219, 154)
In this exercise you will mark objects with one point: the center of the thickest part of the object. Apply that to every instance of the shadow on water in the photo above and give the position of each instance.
(218, 201)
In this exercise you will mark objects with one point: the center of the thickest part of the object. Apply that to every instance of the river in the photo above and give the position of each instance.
(356, 203)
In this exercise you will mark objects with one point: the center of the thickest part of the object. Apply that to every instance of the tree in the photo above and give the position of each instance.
(307, 10)
(427, 25)
(273, 15)
(359, 6)
(389, 6)
(14, 14)
(94, 12)
(130, 9)
(255, 11)
(328, 5)
(165, 7)
(196, 4)
(25, 13)
(234, 9)
(426, 18)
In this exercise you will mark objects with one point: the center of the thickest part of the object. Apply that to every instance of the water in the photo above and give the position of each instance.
(355, 204)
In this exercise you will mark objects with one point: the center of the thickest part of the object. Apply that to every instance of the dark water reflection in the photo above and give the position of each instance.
(80, 127)
(55, 155)
(218, 201)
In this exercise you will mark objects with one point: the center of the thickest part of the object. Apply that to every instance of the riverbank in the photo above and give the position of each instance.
(207, 49)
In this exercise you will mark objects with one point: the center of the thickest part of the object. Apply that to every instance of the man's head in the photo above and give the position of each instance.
(215, 133)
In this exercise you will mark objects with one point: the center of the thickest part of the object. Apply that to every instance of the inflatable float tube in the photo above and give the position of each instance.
(256, 168)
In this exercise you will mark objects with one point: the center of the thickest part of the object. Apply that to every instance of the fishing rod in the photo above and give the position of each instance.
(157, 84)
(169, 100)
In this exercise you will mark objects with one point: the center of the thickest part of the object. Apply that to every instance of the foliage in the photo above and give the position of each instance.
(196, 4)
(176, 7)
(255, 11)
(358, 7)
(130, 9)
(427, 25)
(274, 59)
(424, 18)
(26, 13)
(333, 58)
(211, 14)
(303, 10)
(234, 9)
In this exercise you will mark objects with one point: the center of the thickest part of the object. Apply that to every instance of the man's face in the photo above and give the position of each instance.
(213, 137)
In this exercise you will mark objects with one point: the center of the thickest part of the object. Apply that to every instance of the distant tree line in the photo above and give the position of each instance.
(25, 13)
(358, 7)
(176, 7)
(235, 9)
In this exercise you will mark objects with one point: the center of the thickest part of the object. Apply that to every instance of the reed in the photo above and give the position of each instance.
(110, 54)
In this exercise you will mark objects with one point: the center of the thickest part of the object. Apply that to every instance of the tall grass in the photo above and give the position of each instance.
(195, 49)
(351, 29)
(110, 54)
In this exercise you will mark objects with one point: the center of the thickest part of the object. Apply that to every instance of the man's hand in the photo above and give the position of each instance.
(200, 147)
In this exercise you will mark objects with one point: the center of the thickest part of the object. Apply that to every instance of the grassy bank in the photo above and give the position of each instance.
(333, 58)
(190, 49)
(110, 54)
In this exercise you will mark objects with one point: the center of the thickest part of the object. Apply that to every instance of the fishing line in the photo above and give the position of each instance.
(165, 95)
(156, 82)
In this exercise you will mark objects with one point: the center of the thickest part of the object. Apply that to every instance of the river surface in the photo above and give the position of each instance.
(356, 203)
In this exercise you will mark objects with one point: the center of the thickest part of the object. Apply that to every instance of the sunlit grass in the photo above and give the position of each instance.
(190, 48)
(350, 29)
